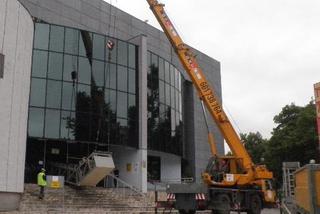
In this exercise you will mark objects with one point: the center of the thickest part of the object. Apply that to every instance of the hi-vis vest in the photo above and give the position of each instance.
(41, 181)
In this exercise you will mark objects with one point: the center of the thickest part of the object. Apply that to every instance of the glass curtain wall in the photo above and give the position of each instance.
(164, 106)
(80, 91)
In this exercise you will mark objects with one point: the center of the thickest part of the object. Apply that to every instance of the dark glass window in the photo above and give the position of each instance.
(84, 74)
(122, 53)
(55, 66)
(98, 73)
(161, 92)
(164, 119)
(41, 36)
(39, 63)
(56, 38)
(132, 81)
(161, 69)
(167, 87)
(38, 92)
(132, 56)
(122, 78)
(154, 168)
(112, 81)
(98, 104)
(68, 96)
(70, 64)
(172, 73)
(71, 41)
(167, 71)
(112, 55)
(113, 100)
(172, 97)
(53, 94)
(98, 46)
(52, 123)
(85, 44)
(36, 121)
(66, 124)
(122, 105)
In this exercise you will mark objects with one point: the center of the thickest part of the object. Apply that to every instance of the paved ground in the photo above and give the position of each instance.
(266, 211)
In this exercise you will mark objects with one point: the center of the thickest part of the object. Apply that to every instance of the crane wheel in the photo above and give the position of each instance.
(224, 201)
(255, 205)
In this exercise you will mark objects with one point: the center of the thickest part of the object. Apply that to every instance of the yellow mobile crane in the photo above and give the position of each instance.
(240, 176)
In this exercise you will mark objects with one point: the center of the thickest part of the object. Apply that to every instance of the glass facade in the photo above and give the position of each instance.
(80, 90)
(164, 106)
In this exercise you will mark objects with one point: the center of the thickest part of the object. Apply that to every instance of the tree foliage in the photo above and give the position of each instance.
(255, 145)
(293, 139)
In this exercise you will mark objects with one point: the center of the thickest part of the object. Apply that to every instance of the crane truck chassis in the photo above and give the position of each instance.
(230, 182)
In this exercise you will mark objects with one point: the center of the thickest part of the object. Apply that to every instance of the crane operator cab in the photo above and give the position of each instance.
(219, 168)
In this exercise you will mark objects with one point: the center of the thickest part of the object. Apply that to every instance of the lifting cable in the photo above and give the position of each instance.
(110, 45)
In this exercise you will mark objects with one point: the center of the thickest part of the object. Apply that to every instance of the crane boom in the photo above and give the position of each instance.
(206, 93)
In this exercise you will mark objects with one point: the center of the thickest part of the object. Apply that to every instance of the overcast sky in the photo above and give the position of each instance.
(269, 50)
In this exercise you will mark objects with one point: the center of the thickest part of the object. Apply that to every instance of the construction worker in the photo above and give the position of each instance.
(42, 182)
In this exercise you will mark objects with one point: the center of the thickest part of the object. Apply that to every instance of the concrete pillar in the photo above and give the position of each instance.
(16, 37)
(143, 110)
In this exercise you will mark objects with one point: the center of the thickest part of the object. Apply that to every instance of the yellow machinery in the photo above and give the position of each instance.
(240, 171)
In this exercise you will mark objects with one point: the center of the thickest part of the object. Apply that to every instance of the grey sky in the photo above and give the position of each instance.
(269, 50)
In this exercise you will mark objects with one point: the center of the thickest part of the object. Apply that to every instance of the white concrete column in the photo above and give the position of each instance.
(16, 38)
(143, 111)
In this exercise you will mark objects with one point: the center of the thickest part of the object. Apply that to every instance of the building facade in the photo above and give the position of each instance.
(66, 94)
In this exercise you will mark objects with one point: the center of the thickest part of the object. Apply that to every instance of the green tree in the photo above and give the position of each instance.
(255, 145)
(293, 139)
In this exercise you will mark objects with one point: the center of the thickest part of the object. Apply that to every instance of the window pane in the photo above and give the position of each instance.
(132, 56)
(112, 55)
(122, 53)
(132, 101)
(52, 122)
(122, 78)
(177, 99)
(176, 78)
(56, 38)
(36, 120)
(154, 60)
(122, 105)
(173, 122)
(161, 92)
(67, 125)
(71, 41)
(113, 100)
(83, 103)
(84, 75)
(132, 81)
(172, 73)
(179, 82)
(53, 94)
(167, 71)
(38, 92)
(161, 69)
(98, 73)
(98, 46)
(85, 43)
(167, 94)
(55, 66)
(68, 96)
(173, 102)
(112, 80)
(41, 38)
(39, 63)
(70, 64)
